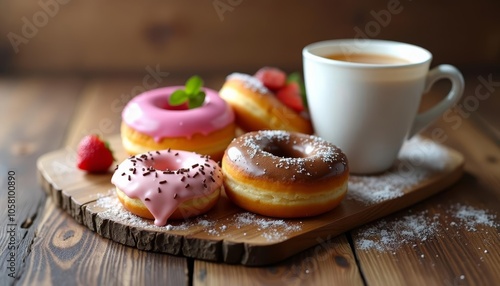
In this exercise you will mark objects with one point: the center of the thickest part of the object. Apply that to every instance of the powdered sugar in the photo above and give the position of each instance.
(272, 229)
(115, 211)
(391, 234)
(286, 155)
(471, 217)
(418, 161)
(268, 228)
(323, 150)
(249, 82)
(370, 190)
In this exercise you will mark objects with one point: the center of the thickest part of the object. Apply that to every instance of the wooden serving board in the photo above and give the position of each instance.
(231, 235)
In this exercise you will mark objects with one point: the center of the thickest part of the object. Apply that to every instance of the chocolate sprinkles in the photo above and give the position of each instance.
(202, 170)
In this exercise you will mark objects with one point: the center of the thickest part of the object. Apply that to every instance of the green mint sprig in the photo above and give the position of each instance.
(191, 93)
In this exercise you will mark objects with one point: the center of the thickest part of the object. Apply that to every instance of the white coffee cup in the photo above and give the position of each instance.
(369, 109)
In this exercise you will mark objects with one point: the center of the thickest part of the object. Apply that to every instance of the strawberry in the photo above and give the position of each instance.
(94, 155)
(272, 78)
(291, 96)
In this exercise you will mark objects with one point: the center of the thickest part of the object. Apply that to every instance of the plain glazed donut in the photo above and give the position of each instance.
(282, 174)
(149, 123)
(168, 184)
(257, 108)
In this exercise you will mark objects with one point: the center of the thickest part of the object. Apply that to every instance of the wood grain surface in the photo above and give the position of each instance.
(55, 113)
(306, 268)
(33, 123)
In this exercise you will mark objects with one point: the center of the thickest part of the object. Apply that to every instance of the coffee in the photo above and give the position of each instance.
(368, 59)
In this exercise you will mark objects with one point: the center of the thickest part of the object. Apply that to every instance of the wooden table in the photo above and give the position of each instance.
(458, 242)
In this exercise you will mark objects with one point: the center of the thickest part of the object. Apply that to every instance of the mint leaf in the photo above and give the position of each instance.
(192, 93)
(178, 97)
(197, 100)
(193, 85)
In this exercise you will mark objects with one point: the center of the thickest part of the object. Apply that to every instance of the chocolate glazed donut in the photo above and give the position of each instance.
(284, 174)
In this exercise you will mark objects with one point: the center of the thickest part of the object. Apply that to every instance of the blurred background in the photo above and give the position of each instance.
(186, 37)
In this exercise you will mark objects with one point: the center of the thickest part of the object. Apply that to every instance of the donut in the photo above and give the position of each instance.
(284, 174)
(168, 184)
(150, 123)
(257, 108)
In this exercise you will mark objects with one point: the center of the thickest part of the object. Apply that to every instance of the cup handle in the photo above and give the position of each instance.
(457, 88)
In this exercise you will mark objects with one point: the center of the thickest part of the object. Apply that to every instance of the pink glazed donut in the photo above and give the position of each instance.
(168, 184)
(150, 123)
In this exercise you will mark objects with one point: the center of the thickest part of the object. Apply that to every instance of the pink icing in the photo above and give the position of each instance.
(148, 114)
(162, 180)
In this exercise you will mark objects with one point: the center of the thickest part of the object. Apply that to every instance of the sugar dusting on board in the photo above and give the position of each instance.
(116, 212)
(272, 229)
(269, 229)
(418, 161)
(416, 228)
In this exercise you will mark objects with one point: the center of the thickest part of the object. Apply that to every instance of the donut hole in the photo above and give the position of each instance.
(165, 165)
(285, 150)
(162, 103)
(183, 106)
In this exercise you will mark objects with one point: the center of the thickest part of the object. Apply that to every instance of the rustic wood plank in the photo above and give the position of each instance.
(457, 249)
(35, 113)
(62, 242)
(329, 263)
